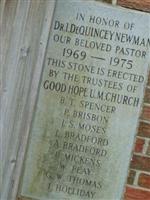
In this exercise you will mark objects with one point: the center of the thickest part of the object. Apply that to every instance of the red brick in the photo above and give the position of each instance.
(147, 96)
(135, 4)
(146, 113)
(136, 194)
(144, 180)
(140, 163)
(139, 145)
(131, 177)
(144, 130)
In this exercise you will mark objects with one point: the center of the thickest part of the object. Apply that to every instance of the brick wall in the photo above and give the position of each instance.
(138, 181)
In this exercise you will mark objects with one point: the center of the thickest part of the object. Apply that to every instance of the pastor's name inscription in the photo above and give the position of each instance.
(91, 75)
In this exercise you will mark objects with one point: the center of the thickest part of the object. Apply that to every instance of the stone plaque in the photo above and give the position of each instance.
(89, 102)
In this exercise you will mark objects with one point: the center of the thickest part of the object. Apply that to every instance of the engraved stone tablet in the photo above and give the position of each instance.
(89, 102)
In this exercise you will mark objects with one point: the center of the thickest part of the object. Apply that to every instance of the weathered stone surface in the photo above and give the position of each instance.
(89, 102)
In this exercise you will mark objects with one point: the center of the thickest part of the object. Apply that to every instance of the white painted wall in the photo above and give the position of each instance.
(24, 29)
